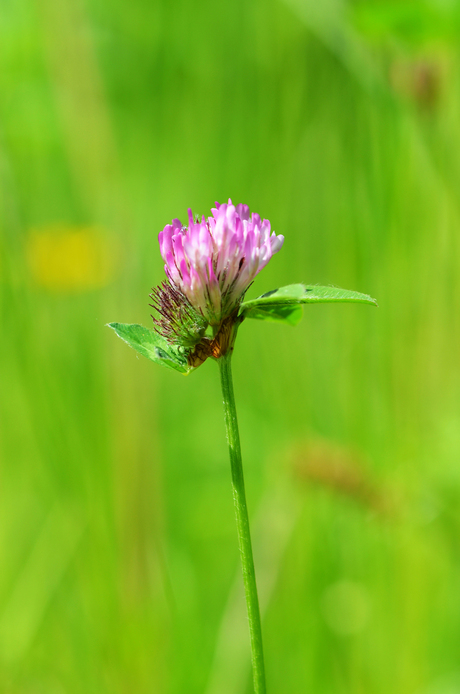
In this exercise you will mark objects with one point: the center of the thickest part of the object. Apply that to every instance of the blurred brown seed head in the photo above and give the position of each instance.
(420, 80)
(341, 470)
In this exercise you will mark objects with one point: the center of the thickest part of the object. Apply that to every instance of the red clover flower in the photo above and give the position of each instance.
(209, 265)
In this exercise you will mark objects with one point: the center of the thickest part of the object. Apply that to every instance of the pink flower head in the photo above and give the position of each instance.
(213, 261)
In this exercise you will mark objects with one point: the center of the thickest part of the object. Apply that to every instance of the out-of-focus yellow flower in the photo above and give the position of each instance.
(67, 258)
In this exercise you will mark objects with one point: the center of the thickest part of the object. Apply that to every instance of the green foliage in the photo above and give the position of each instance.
(284, 304)
(281, 313)
(416, 22)
(151, 345)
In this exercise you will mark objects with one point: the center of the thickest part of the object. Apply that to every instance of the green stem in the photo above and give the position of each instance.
(242, 523)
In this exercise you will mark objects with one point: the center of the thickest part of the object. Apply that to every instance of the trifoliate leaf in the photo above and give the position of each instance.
(153, 346)
(295, 294)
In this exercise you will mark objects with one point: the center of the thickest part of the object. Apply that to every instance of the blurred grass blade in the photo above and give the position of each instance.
(281, 304)
(37, 582)
(151, 345)
(330, 22)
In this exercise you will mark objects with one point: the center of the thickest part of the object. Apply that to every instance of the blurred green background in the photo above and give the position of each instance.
(339, 122)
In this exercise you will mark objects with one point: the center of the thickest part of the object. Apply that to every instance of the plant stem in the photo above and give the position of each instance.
(242, 524)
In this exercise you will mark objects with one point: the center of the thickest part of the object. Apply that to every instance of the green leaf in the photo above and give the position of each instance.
(151, 345)
(270, 303)
(280, 314)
